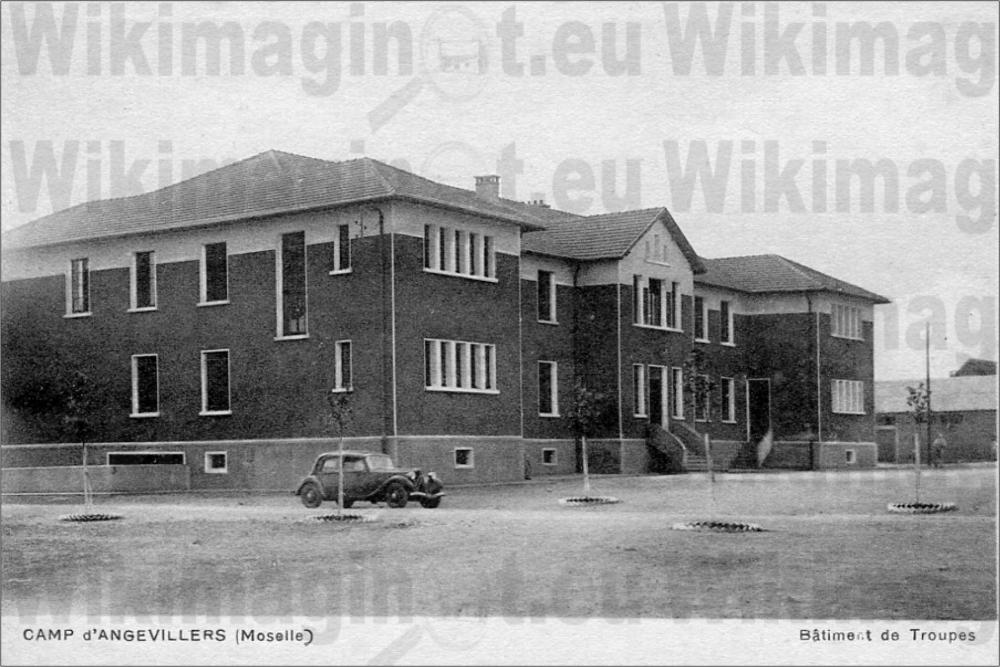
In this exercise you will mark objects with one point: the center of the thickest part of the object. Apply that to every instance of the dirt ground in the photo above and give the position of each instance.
(830, 551)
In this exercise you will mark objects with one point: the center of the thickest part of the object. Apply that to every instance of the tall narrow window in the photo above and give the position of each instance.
(637, 303)
(700, 319)
(429, 247)
(548, 389)
(546, 296)
(702, 400)
(475, 254)
(215, 382)
(145, 386)
(78, 298)
(728, 388)
(639, 389)
(342, 250)
(677, 379)
(342, 366)
(674, 314)
(848, 397)
(460, 255)
(655, 303)
(489, 261)
(725, 322)
(293, 284)
(214, 273)
(443, 248)
(143, 281)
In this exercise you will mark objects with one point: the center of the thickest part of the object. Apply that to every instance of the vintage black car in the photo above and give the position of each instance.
(367, 476)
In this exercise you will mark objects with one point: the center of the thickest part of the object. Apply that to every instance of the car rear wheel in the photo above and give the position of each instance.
(311, 496)
(431, 503)
(396, 495)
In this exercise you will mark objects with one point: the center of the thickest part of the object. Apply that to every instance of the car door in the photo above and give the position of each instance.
(328, 474)
(354, 478)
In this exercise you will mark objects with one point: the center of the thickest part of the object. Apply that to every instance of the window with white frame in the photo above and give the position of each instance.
(677, 382)
(546, 296)
(700, 319)
(639, 390)
(848, 397)
(214, 273)
(78, 287)
(653, 304)
(452, 365)
(215, 382)
(216, 463)
(145, 386)
(143, 274)
(464, 457)
(702, 401)
(673, 307)
(725, 322)
(548, 389)
(343, 375)
(549, 456)
(728, 388)
(292, 303)
(341, 250)
(846, 322)
(656, 250)
(459, 252)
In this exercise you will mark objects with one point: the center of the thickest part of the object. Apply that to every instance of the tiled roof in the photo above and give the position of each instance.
(970, 392)
(605, 236)
(977, 367)
(774, 273)
(270, 183)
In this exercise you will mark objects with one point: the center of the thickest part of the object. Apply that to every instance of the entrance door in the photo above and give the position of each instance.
(758, 409)
(657, 395)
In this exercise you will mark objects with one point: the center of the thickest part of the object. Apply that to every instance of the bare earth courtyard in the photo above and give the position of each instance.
(831, 551)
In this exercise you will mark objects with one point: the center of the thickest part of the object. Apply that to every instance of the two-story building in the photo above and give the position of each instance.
(199, 329)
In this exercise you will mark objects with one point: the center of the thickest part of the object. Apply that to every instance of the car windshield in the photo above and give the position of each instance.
(380, 462)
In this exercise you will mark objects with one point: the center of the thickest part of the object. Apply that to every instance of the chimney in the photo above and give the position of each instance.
(488, 187)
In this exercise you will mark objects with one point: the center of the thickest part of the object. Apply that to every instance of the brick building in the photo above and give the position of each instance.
(210, 319)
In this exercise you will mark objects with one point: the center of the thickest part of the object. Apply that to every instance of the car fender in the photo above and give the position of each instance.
(307, 480)
(402, 479)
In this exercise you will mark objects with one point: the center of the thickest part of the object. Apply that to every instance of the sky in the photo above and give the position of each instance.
(754, 123)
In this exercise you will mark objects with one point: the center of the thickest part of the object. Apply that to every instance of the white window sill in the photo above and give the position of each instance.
(342, 390)
(205, 304)
(552, 322)
(727, 344)
(703, 421)
(550, 415)
(215, 413)
(657, 327)
(340, 272)
(552, 465)
(458, 467)
(467, 276)
(637, 416)
(702, 340)
(729, 421)
(292, 337)
(679, 417)
(843, 337)
(218, 471)
(144, 309)
(71, 316)
(463, 390)
(844, 412)
(144, 415)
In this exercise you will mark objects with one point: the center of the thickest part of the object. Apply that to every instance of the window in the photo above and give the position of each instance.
(78, 288)
(549, 457)
(215, 382)
(145, 386)
(702, 400)
(846, 322)
(677, 380)
(700, 319)
(342, 250)
(451, 365)
(725, 323)
(145, 458)
(656, 252)
(458, 252)
(639, 389)
(849, 456)
(216, 463)
(292, 286)
(728, 387)
(548, 389)
(342, 366)
(849, 397)
(673, 307)
(652, 304)
(143, 290)
(546, 296)
(464, 457)
(214, 273)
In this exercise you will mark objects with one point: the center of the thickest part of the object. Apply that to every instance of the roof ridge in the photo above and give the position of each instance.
(808, 275)
(371, 164)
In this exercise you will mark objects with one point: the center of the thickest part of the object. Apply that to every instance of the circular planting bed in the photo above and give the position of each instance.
(718, 527)
(346, 518)
(589, 500)
(921, 508)
(82, 518)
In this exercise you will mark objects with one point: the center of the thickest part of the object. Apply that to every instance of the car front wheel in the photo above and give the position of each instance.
(311, 496)
(396, 495)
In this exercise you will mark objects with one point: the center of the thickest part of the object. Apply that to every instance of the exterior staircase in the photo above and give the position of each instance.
(695, 459)
(697, 463)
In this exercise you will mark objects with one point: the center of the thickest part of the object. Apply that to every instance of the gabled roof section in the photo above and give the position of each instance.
(267, 184)
(605, 236)
(774, 273)
(970, 392)
(976, 367)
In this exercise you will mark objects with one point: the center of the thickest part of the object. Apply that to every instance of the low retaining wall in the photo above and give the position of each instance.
(103, 479)
(801, 455)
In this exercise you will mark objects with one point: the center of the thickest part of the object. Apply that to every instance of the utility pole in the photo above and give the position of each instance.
(927, 378)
